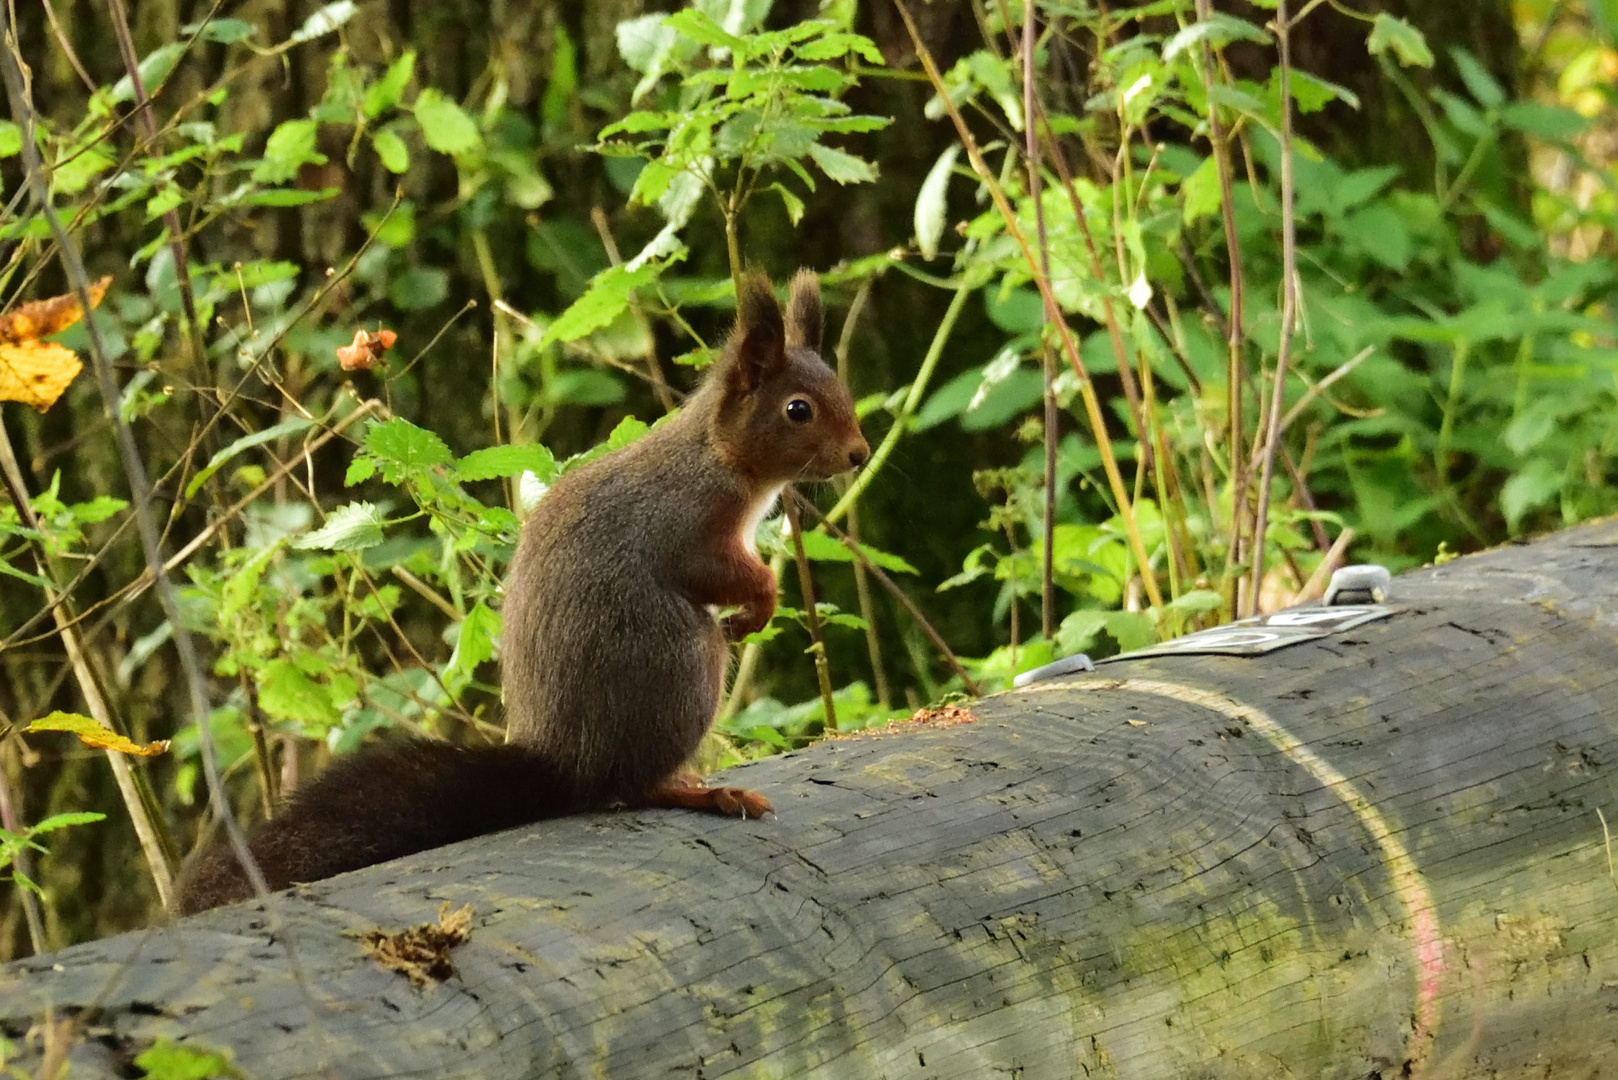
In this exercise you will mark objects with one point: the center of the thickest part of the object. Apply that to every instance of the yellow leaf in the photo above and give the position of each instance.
(93, 734)
(36, 373)
(33, 371)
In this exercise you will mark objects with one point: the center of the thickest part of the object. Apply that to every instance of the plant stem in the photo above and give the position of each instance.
(1289, 311)
(1047, 566)
(806, 585)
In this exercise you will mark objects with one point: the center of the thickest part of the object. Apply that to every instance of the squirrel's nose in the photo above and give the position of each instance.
(859, 456)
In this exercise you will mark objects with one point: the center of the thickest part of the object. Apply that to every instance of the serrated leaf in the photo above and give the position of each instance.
(286, 693)
(703, 30)
(931, 202)
(627, 431)
(168, 1060)
(93, 734)
(844, 168)
(258, 438)
(496, 461)
(605, 299)
(384, 94)
(63, 821)
(445, 125)
(1406, 42)
(325, 20)
(402, 449)
(354, 527)
(291, 145)
(1217, 30)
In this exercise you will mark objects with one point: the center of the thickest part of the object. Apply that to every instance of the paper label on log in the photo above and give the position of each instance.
(1266, 633)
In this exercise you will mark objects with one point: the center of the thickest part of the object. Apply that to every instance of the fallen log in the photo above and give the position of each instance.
(1376, 852)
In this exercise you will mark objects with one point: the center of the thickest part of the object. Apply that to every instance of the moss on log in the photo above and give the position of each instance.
(1375, 854)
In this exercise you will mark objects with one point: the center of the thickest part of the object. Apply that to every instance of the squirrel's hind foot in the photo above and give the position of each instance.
(686, 793)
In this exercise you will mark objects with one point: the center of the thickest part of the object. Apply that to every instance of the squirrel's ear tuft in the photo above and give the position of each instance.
(805, 316)
(758, 343)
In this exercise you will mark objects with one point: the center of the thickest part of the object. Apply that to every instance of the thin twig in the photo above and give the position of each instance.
(1047, 563)
(862, 584)
(1087, 391)
(806, 586)
(893, 590)
(1265, 465)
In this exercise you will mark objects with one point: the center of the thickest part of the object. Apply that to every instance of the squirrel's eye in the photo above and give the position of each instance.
(800, 411)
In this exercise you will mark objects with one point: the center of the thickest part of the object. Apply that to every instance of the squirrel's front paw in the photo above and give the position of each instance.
(744, 622)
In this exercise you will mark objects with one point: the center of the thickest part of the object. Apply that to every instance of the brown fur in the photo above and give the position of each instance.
(613, 662)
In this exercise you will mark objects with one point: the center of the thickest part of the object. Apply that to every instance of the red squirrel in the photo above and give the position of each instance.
(613, 660)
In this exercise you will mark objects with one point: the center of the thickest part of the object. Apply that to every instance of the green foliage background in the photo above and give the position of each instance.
(546, 202)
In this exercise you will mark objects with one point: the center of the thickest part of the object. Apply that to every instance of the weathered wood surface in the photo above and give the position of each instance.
(1375, 855)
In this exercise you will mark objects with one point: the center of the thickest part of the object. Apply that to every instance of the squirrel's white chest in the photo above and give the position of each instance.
(756, 514)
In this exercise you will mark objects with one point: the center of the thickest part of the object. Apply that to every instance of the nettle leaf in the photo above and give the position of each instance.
(385, 92)
(1217, 30)
(286, 693)
(496, 461)
(354, 527)
(841, 167)
(405, 450)
(325, 20)
(445, 125)
(605, 299)
(291, 146)
(1405, 41)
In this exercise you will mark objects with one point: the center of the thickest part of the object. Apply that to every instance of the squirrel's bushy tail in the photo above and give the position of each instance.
(382, 804)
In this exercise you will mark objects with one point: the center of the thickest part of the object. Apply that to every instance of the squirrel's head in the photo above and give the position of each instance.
(781, 414)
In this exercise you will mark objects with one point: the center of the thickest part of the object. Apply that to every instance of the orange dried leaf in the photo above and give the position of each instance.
(365, 352)
(33, 371)
(42, 318)
(93, 734)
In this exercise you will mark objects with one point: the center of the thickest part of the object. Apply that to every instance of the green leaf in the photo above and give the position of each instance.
(291, 145)
(605, 299)
(167, 1060)
(823, 548)
(419, 287)
(404, 450)
(222, 31)
(1534, 486)
(1551, 122)
(1217, 30)
(1200, 191)
(153, 69)
(445, 125)
(841, 167)
(325, 20)
(793, 204)
(494, 461)
(258, 438)
(932, 204)
(286, 693)
(288, 197)
(354, 527)
(10, 139)
(384, 94)
(1483, 87)
(67, 820)
(703, 30)
(628, 430)
(473, 646)
(79, 168)
(1406, 42)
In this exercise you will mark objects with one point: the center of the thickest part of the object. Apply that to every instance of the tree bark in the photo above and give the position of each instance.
(1379, 853)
